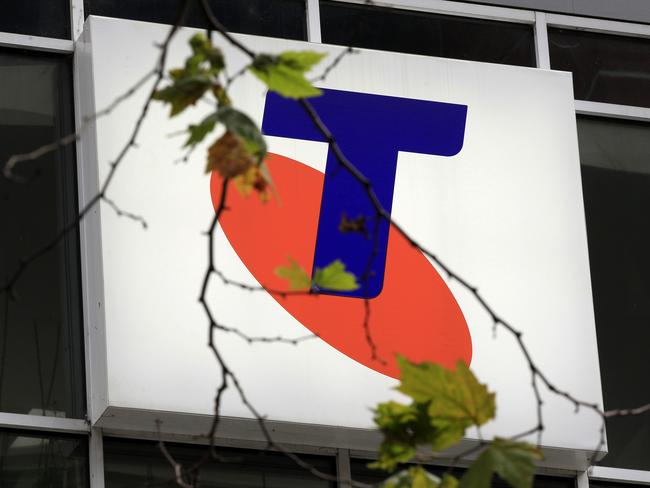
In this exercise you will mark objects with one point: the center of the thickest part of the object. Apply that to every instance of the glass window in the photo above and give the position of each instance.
(36, 17)
(429, 34)
(273, 18)
(606, 68)
(41, 365)
(613, 484)
(38, 460)
(361, 472)
(138, 463)
(615, 157)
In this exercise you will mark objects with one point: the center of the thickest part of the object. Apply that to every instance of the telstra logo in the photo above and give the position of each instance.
(412, 311)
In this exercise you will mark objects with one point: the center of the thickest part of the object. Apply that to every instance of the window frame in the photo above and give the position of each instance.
(36, 43)
(451, 9)
(38, 424)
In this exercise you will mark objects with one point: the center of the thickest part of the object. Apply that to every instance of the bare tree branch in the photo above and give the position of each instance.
(101, 195)
(624, 412)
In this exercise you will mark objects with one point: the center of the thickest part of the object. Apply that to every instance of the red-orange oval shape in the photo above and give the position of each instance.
(416, 315)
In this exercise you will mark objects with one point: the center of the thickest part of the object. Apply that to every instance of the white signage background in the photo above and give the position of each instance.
(506, 213)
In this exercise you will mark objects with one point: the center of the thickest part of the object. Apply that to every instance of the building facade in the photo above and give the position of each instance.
(46, 437)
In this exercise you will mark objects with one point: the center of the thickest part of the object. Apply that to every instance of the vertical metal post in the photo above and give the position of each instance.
(96, 458)
(313, 21)
(541, 41)
(76, 18)
(582, 480)
(343, 472)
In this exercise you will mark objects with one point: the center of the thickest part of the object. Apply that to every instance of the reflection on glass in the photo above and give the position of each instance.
(273, 18)
(36, 17)
(606, 68)
(32, 460)
(139, 463)
(613, 484)
(362, 473)
(40, 329)
(615, 159)
(413, 32)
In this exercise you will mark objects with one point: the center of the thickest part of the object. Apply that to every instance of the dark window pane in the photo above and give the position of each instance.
(613, 484)
(361, 473)
(36, 17)
(37, 460)
(429, 34)
(273, 18)
(138, 463)
(605, 68)
(615, 160)
(41, 366)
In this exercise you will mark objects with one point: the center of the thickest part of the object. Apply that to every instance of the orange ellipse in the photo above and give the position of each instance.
(416, 315)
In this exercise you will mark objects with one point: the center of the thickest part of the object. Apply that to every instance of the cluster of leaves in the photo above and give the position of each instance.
(331, 277)
(200, 74)
(417, 477)
(445, 404)
(239, 152)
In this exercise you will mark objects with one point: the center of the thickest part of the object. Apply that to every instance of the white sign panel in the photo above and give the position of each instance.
(478, 162)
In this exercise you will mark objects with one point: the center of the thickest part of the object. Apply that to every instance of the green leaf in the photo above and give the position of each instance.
(404, 428)
(446, 402)
(456, 398)
(237, 123)
(479, 475)
(413, 477)
(449, 481)
(183, 92)
(301, 60)
(334, 277)
(243, 126)
(285, 74)
(513, 461)
(204, 51)
(198, 132)
(198, 75)
(295, 274)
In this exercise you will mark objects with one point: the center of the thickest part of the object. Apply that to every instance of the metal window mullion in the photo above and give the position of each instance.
(76, 18)
(541, 41)
(582, 480)
(43, 423)
(611, 110)
(313, 20)
(605, 473)
(343, 471)
(599, 25)
(96, 458)
(447, 7)
(36, 43)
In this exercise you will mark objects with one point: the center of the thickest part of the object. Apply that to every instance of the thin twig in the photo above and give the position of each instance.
(131, 142)
(624, 412)
(335, 62)
(124, 213)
